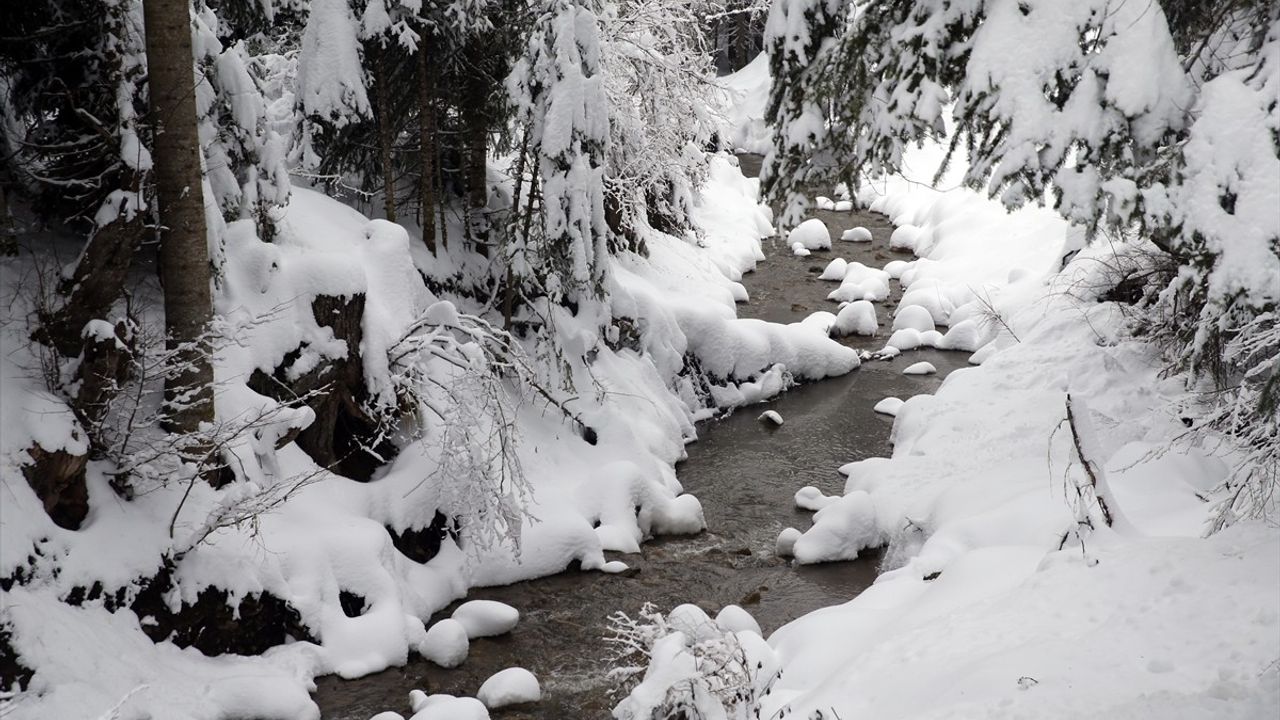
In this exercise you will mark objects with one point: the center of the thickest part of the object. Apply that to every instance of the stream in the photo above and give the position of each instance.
(745, 473)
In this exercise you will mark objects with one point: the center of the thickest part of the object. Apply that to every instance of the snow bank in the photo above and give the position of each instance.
(747, 92)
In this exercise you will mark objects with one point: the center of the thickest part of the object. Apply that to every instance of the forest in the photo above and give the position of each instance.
(644, 359)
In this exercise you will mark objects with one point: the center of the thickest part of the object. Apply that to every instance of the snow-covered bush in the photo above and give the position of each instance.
(693, 667)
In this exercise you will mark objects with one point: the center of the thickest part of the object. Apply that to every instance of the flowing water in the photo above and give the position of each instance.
(744, 472)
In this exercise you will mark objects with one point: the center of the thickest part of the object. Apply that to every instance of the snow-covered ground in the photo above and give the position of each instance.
(998, 600)
(667, 312)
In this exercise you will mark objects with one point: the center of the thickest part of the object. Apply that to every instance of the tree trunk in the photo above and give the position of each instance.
(427, 144)
(385, 133)
(93, 287)
(184, 246)
(477, 153)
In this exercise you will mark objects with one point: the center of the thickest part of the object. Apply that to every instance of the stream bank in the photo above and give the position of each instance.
(744, 472)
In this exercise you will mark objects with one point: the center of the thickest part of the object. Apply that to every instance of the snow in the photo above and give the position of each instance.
(914, 317)
(448, 707)
(799, 250)
(858, 234)
(857, 318)
(747, 91)
(889, 406)
(811, 498)
(511, 686)
(786, 542)
(835, 270)
(811, 234)
(446, 643)
(734, 619)
(843, 206)
(841, 529)
(486, 618)
(771, 417)
(824, 203)
(920, 368)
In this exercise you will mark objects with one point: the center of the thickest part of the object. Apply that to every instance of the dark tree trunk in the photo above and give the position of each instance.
(477, 151)
(386, 133)
(427, 144)
(95, 284)
(184, 248)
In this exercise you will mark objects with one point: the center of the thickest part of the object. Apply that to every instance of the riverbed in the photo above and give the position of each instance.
(745, 473)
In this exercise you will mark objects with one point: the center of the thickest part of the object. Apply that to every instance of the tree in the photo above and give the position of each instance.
(184, 246)
(1130, 125)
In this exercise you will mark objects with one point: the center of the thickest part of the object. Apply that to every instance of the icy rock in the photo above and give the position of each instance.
(811, 498)
(446, 643)
(905, 339)
(811, 234)
(613, 567)
(835, 270)
(920, 368)
(889, 406)
(732, 618)
(512, 686)
(799, 250)
(681, 515)
(840, 531)
(486, 618)
(858, 234)
(448, 707)
(896, 268)
(770, 416)
(786, 542)
(843, 206)
(905, 238)
(824, 203)
(856, 318)
(913, 316)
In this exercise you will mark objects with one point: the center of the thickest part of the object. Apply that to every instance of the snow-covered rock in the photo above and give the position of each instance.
(786, 542)
(824, 203)
(512, 686)
(812, 234)
(840, 531)
(811, 498)
(857, 234)
(448, 707)
(889, 406)
(770, 417)
(613, 567)
(920, 368)
(856, 318)
(799, 250)
(912, 316)
(485, 618)
(843, 206)
(681, 515)
(905, 238)
(905, 339)
(446, 643)
(733, 618)
(896, 268)
(835, 270)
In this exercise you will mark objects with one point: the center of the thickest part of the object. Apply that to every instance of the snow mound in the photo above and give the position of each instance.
(905, 339)
(840, 531)
(835, 270)
(889, 406)
(857, 234)
(733, 618)
(771, 417)
(856, 318)
(843, 206)
(486, 618)
(811, 234)
(811, 498)
(448, 707)
(913, 316)
(905, 237)
(799, 250)
(920, 368)
(896, 268)
(824, 203)
(446, 643)
(861, 283)
(786, 542)
(681, 515)
(512, 686)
